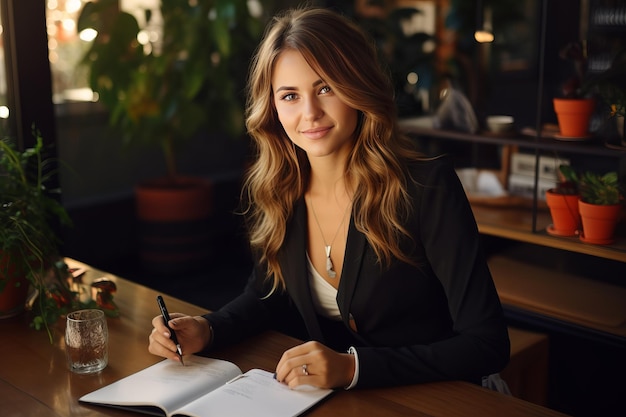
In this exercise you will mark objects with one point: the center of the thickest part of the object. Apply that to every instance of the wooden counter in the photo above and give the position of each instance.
(35, 380)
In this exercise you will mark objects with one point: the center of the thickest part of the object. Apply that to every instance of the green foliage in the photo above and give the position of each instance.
(28, 208)
(567, 181)
(163, 93)
(29, 216)
(601, 189)
(568, 173)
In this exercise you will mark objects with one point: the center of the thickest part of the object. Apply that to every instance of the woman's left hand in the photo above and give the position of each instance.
(312, 363)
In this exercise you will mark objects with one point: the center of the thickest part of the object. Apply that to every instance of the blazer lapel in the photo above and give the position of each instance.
(355, 249)
(294, 267)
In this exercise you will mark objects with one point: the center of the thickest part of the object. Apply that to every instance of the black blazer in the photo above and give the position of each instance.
(440, 319)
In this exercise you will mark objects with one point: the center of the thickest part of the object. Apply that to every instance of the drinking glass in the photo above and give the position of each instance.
(86, 341)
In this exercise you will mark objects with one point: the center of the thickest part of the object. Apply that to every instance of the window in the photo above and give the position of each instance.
(66, 48)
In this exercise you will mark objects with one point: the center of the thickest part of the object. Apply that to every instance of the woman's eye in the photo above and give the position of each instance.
(325, 90)
(288, 97)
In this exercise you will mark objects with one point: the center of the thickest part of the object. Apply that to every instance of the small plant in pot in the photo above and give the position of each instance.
(600, 205)
(575, 107)
(562, 201)
(29, 240)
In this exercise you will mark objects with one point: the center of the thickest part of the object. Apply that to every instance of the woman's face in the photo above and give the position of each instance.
(312, 115)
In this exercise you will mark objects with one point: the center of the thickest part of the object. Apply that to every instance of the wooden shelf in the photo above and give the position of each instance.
(516, 224)
(570, 298)
(593, 147)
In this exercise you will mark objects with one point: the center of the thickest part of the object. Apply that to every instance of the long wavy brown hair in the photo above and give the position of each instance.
(345, 58)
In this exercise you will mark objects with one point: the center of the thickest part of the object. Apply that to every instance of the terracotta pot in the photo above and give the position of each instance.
(574, 115)
(598, 222)
(173, 214)
(564, 212)
(13, 296)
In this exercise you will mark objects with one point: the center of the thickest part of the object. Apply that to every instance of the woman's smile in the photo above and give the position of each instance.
(316, 133)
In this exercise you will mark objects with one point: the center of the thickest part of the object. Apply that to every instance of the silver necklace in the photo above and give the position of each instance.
(329, 264)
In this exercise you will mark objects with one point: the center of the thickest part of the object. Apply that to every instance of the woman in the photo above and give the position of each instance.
(359, 241)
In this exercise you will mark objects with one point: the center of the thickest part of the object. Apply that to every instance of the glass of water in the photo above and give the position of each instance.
(86, 341)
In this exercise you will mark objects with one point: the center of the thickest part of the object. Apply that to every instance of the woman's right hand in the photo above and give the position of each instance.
(193, 334)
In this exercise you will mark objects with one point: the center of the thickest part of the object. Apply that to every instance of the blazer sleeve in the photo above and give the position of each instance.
(477, 343)
(252, 312)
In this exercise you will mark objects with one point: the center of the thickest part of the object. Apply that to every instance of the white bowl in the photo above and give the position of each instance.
(500, 124)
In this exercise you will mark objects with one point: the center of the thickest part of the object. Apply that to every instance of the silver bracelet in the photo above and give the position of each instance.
(355, 378)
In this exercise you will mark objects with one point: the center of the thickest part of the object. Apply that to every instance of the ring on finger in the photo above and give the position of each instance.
(304, 370)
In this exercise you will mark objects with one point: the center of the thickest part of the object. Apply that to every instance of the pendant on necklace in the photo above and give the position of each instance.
(329, 263)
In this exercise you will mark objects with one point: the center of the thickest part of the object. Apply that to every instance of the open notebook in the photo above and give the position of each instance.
(205, 387)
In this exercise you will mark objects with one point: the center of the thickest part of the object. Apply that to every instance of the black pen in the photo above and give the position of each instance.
(166, 318)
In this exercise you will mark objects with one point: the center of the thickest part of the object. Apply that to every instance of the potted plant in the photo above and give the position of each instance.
(575, 107)
(162, 86)
(599, 205)
(29, 240)
(562, 201)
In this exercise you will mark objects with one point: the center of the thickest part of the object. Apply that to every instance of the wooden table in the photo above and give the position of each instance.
(35, 380)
